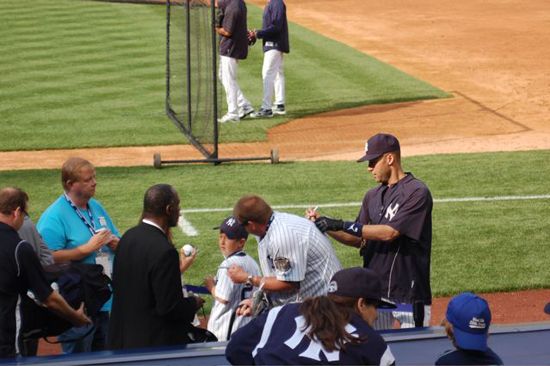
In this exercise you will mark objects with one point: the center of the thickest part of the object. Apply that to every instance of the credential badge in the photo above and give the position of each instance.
(102, 221)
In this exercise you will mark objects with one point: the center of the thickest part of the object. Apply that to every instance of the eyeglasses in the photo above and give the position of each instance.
(26, 213)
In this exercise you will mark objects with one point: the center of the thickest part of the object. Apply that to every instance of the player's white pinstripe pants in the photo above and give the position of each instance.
(228, 76)
(273, 75)
(386, 319)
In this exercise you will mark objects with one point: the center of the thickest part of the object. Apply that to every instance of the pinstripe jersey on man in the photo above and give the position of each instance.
(294, 250)
(220, 316)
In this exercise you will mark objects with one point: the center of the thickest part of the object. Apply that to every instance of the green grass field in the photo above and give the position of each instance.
(99, 69)
(477, 246)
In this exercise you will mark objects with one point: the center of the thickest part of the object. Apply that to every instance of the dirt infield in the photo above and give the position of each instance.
(493, 56)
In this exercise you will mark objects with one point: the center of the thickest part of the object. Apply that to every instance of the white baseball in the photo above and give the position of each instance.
(187, 250)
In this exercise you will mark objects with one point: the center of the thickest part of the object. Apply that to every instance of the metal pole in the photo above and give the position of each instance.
(189, 114)
(215, 80)
(167, 101)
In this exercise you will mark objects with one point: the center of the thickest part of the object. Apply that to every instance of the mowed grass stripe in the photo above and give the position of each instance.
(485, 245)
(63, 61)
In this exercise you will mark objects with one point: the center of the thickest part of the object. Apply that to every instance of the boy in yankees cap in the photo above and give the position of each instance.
(467, 325)
(227, 295)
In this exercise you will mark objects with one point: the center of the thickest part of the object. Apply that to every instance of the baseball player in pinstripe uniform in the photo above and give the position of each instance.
(297, 260)
(227, 295)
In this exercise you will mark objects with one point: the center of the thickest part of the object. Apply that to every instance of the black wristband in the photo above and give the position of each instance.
(353, 228)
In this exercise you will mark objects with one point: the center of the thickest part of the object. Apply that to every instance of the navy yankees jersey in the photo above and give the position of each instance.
(278, 338)
(468, 357)
(294, 250)
(404, 264)
(219, 321)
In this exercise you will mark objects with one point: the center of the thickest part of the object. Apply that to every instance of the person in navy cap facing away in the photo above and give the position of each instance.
(227, 295)
(394, 233)
(467, 325)
(331, 329)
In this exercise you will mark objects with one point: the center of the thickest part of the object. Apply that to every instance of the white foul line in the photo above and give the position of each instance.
(189, 230)
(354, 204)
(187, 227)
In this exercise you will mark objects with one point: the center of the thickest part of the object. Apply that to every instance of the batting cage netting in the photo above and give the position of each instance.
(193, 96)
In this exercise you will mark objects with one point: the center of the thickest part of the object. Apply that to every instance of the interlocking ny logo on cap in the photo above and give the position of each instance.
(332, 287)
(231, 222)
(367, 146)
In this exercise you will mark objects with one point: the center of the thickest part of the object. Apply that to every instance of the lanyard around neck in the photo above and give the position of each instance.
(89, 224)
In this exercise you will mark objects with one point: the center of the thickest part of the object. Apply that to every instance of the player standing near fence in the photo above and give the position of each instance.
(274, 34)
(393, 231)
(231, 26)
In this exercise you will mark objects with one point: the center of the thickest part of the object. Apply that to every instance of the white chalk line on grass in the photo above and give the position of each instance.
(189, 230)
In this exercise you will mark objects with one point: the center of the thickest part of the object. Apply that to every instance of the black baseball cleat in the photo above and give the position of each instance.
(262, 113)
(279, 109)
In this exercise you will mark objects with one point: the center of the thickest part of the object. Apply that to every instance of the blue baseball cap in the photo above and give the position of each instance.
(547, 308)
(379, 144)
(230, 226)
(470, 316)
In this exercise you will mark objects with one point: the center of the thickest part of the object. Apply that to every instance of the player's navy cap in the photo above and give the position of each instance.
(231, 227)
(547, 308)
(379, 144)
(470, 316)
(359, 282)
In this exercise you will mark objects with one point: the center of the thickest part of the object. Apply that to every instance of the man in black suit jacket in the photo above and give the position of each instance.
(149, 309)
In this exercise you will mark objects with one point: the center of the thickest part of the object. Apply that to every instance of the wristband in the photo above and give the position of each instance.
(353, 228)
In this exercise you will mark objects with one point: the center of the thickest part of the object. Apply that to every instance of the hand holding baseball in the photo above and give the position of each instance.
(187, 260)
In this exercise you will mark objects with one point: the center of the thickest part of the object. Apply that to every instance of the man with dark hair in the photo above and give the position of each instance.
(233, 47)
(76, 227)
(394, 233)
(296, 259)
(20, 272)
(149, 309)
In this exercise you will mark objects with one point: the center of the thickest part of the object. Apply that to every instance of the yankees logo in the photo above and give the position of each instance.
(315, 348)
(231, 222)
(391, 211)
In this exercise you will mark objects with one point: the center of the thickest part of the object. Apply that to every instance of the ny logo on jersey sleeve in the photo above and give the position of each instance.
(315, 348)
(391, 211)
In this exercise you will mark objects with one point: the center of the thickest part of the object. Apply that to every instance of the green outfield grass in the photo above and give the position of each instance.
(477, 246)
(90, 74)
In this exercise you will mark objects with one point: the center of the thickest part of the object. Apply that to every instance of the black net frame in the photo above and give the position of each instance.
(192, 98)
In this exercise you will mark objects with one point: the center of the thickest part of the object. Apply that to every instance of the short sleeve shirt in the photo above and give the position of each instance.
(233, 293)
(234, 21)
(61, 228)
(467, 357)
(294, 250)
(404, 264)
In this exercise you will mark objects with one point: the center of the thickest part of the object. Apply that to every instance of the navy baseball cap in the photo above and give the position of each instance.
(470, 316)
(379, 144)
(547, 308)
(361, 283)
(230, 226)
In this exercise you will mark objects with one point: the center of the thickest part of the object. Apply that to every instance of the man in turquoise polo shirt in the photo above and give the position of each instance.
(76, 227)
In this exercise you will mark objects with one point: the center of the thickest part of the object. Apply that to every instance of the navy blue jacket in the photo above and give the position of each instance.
(468, 357)
(277, 338)
(274, 32)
